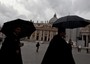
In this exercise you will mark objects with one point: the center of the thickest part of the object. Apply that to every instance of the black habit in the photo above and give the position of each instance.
(58, 52)
(9, 53)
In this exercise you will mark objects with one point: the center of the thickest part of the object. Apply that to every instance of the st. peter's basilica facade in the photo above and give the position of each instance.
(45, 32)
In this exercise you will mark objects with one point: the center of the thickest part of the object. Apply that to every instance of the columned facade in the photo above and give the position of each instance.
(44, 32)
(85, 35)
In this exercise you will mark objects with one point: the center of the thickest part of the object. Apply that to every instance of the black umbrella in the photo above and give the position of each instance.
(71, 21)
(26, 26)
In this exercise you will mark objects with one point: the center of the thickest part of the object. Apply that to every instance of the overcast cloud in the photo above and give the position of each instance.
(42, 10)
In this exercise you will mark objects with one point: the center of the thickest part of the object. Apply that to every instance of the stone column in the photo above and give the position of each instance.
(51, 35)
(47, 35)
(43, 35)
(87, 40)
(35, 35)
(40, 35)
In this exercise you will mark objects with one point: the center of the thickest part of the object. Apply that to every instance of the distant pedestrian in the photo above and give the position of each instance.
(87, 50)
(70, 43)
(37, 45)
(79, 48)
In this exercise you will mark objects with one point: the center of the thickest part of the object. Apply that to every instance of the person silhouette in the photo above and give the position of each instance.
(58, 50)
(10, 52)
(37, 45)
(70, 43)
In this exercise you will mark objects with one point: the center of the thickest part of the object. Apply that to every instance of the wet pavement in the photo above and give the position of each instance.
(30, 56)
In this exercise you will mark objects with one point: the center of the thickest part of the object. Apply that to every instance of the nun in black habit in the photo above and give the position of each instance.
(10, 52)
(58, 51)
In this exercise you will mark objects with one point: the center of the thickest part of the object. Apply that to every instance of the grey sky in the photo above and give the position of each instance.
(42, 10)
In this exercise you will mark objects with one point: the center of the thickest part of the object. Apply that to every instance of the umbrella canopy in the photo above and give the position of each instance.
(26, 26)
(72, 21)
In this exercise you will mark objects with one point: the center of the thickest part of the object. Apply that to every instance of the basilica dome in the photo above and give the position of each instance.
(53, 19)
